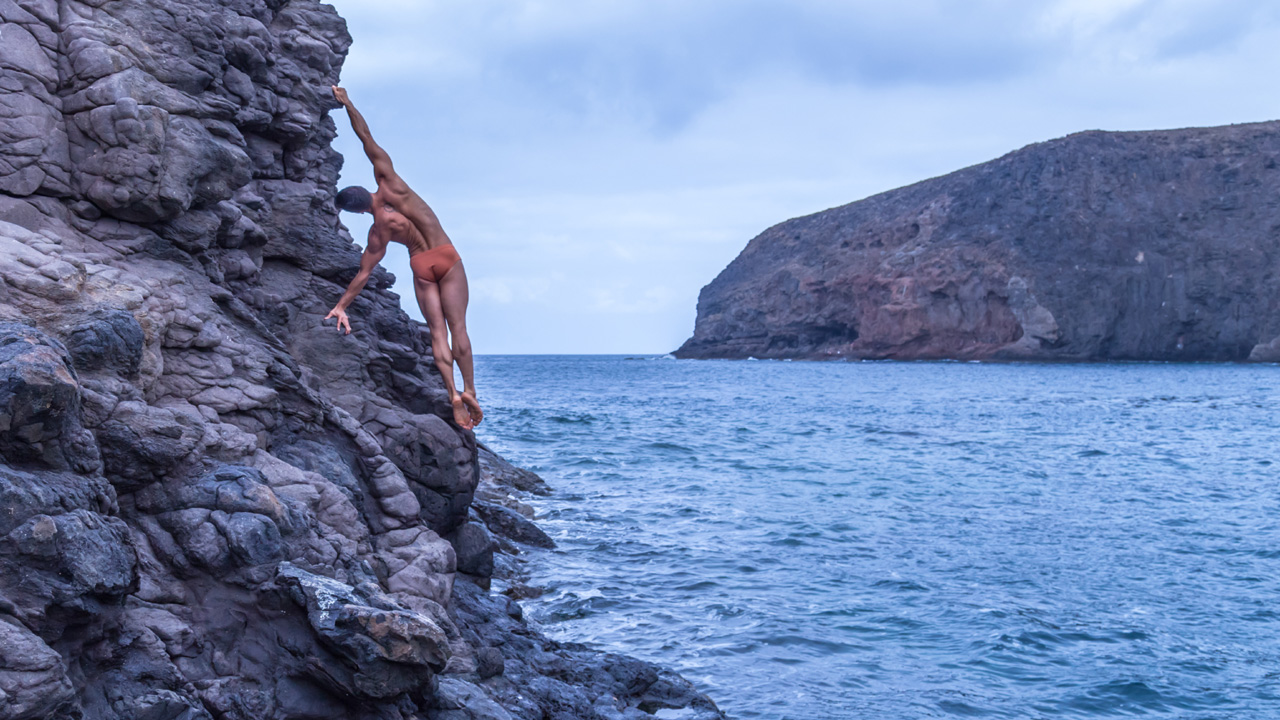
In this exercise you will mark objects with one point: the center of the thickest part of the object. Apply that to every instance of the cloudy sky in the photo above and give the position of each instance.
(598, 161)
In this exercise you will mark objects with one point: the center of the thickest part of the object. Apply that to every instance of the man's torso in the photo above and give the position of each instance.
(397, 228)
(421, 219)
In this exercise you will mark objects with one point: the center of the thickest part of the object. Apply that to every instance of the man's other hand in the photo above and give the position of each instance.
(343, 322)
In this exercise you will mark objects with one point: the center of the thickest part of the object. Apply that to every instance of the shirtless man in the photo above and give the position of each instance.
(439, 281)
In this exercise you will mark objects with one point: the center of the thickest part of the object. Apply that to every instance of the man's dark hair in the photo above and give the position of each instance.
(354, 199)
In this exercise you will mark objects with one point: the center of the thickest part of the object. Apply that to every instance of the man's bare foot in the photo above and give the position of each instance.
(460, 414)
(473, 405)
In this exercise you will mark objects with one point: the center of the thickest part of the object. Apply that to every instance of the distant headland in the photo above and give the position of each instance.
(1099, 246)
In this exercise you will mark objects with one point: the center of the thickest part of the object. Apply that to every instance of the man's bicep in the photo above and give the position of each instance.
(375, 243)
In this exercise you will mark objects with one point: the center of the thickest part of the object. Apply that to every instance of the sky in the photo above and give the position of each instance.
(596, 162)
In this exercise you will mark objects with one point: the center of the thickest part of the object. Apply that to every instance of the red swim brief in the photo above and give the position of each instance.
(434, 263)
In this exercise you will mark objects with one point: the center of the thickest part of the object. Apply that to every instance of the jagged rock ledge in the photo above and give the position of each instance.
(1099, 246)
(212, 505)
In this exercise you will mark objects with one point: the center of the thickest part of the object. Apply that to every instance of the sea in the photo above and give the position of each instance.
(835, 541)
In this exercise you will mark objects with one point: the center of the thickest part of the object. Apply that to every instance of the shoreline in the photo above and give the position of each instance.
(499, 506)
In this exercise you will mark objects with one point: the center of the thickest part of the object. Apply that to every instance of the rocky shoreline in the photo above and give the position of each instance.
(595, 684)
(211, 504)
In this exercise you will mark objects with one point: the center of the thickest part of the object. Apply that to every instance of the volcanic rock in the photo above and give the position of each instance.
(213, 505)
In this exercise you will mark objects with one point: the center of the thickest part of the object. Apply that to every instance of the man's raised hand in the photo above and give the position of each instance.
(340, 94)
(343, 322)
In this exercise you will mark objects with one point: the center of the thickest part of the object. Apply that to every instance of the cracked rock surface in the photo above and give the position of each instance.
(1098, 246)
(211, 504)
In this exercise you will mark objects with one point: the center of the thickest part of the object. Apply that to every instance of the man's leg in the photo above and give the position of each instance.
(454, 295)
(428, 294)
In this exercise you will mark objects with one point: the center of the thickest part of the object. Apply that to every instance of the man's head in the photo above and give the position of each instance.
(354, 199)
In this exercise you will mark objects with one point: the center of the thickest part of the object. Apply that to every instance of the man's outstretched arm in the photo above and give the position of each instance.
(383, 171)
(398, 193)
(373, 254)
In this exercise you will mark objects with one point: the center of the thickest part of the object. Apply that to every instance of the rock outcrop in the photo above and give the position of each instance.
(211, 504)
(1098, 246)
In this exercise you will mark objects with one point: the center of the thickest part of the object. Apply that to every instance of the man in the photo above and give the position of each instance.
(439, 281)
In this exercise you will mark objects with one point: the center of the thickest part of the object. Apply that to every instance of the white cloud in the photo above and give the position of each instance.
(1088, 17)
(633, 299)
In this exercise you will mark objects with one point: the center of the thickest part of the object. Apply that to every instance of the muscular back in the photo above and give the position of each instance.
(395, 227)
(402, 199)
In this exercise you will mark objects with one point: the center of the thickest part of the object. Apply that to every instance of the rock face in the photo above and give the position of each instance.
(1099, 246)
(211, 504)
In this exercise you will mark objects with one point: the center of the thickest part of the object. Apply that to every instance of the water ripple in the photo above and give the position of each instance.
(881, 540)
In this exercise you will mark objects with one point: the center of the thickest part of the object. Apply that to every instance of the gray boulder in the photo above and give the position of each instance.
(387, 648)
(474, 545)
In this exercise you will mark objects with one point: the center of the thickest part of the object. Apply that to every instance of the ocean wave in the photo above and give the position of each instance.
(821, 541)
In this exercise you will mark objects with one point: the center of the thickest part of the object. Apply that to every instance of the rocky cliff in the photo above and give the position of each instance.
(211, 504)
(1098, 246)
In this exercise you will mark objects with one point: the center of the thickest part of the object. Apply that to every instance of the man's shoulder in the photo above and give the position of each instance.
(393, 189)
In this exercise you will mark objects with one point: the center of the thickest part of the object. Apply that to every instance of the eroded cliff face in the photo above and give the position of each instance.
(212, 504)
(1099, 246)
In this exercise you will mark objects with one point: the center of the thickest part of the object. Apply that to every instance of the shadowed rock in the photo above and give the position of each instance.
(107, 339)
(512, 525)
(40, 403)
(1098, 246)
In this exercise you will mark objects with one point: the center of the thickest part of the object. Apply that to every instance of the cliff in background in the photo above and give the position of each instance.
(211, 504)
(1098, 246)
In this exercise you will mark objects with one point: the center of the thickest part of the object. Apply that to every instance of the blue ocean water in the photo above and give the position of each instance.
(814, 541)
